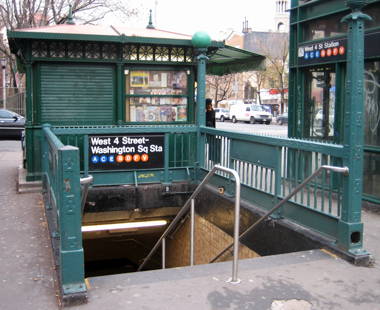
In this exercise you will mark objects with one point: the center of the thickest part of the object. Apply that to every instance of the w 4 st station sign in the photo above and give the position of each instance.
(126, 152)
(324, 51)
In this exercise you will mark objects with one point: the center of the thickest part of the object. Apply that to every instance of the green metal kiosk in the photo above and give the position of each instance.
(318, 76)
(124, 106)
(80, 75)
(127, 107)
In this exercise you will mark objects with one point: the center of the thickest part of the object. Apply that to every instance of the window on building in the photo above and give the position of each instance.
(325, 27)
(331, 26)
(281, 27)
(320, 103)
(372, 10)
(156, 96)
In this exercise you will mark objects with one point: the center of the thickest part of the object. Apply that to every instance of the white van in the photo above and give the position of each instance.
(252, 113)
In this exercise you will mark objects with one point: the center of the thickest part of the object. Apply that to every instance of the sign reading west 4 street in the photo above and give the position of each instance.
(125, 152)
(320, 52)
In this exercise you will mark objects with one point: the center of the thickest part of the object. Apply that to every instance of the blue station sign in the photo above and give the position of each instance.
(334, 50)
(321, 52)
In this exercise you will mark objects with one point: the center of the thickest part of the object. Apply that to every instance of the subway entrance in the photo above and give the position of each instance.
(118, 241)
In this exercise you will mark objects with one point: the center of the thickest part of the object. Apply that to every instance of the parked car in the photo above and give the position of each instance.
(282, 118)
(222, 114)
(252, 113)
(11, 125)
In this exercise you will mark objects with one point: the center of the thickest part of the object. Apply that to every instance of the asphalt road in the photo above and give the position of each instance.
(271, 130)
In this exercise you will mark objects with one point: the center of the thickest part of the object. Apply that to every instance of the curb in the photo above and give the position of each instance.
(24, 186)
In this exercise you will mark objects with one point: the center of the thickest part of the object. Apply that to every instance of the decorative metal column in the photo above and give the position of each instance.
(350, 226)
(201, 41)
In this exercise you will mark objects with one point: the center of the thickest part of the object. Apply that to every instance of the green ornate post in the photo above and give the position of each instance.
(350, 226)
(201, 41)
(70, 223)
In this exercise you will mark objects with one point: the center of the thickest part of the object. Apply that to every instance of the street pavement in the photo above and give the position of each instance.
(261, 129)
(296, 281)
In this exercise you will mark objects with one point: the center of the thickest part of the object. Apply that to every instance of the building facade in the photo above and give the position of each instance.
(270, 86)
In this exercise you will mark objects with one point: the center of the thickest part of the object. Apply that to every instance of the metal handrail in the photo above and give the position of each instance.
(86, 182)
(343, 170)
(185, 209)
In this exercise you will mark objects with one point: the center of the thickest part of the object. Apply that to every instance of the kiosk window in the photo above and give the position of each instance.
(156, 96)
(320, 103)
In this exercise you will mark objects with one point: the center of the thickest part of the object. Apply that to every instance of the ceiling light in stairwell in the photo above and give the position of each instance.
(124, 226)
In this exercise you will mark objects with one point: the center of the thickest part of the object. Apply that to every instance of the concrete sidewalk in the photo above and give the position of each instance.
(297, 281)
(26, 274)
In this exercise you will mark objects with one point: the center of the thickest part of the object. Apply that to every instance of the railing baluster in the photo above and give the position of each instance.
(192, 231)
(315, 183)
(175, 150)
(302, 176)
(163, 245)
(182, 149)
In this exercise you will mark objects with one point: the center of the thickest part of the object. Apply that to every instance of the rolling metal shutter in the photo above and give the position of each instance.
(77, 94)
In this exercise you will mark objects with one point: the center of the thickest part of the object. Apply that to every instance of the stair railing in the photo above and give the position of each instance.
(343, 170)
(190, 204)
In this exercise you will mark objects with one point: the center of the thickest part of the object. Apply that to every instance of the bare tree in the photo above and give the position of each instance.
(35, 13)
(219, 87)
(275, 47)
(277, 62)
(260, 80)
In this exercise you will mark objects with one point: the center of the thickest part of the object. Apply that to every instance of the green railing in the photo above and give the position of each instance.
(270, 168)
(65, 157)
(179, 154)
(62, 195)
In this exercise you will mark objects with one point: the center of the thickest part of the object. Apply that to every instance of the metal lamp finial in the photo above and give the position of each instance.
(150, 24)
(70, 19)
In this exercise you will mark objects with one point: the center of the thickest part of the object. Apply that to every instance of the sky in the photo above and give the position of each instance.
(217, 18)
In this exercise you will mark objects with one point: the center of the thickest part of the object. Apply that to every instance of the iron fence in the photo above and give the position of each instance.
(271, 167)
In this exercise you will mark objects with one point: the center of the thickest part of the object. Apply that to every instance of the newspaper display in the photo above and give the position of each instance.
(158, 96)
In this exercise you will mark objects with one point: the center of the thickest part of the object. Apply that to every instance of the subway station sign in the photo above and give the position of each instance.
(336, 50)
(320, 52)
(125, 152)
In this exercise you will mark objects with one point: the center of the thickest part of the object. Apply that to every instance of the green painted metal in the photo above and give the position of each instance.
(270, 168)
(230, 59)
(63, 195)
(320, 222)
(77, 94)
(351, 228)
(76, 82)
(180, 152)
(150, 24)
(331, 149)
(120, 91)
(70, 19)
(298, 120)
(143, 176)
(70, 222)
(240, 149)
(201, 40)
(166, 158)
(201, 96)
(12, 35)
